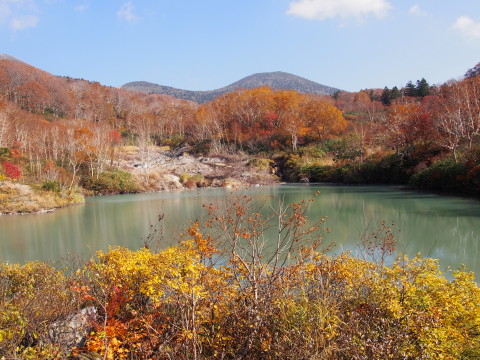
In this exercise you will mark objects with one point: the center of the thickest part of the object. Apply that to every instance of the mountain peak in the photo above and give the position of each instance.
(11, 58)
(277, 80)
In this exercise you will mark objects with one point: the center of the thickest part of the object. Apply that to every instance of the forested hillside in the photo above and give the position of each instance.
(426, 135)
(57, 131)
(60, 132)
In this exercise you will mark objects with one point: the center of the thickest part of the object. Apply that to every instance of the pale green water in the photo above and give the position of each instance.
(443, 227)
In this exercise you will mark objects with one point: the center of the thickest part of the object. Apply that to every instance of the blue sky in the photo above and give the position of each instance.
(207, 44)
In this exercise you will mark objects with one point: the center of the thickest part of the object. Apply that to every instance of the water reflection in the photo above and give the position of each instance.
(442, 227)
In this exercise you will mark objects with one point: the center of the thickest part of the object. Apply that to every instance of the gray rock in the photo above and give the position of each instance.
(74, 329)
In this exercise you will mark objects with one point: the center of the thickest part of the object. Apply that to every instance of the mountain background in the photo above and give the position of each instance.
(12, 58)
(276, 80)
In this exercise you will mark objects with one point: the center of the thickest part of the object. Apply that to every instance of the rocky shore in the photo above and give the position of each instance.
(154, 169)
(161, 169)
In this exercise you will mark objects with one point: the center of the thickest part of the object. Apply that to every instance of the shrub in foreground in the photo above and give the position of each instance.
(222, 296)
(33, 298)
(173, 304)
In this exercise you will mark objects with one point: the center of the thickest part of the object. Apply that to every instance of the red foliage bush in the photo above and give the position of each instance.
(11, 170)
(115, 137)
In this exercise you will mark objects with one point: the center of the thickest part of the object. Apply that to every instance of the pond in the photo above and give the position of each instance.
(442, 227)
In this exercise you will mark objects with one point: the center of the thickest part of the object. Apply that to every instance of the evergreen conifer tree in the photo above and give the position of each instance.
(386, 97)
(473, 72)
(410, 89)
(395, 93)
(423, 88)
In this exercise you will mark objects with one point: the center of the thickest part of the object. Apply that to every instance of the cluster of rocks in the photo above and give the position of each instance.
(160, 169)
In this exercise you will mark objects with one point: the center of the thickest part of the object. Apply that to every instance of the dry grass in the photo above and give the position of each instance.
(128, 149)
(158, 180)
(325, 161)
(194, 181)
(231, 183)
(20, 198)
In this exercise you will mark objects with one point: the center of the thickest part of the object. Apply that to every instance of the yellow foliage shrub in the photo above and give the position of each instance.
(194, 301)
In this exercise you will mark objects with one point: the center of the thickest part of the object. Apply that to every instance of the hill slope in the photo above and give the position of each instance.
(276, 80)
(11, 58)
(46, 96)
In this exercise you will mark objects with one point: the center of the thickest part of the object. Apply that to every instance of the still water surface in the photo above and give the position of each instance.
(443, 227)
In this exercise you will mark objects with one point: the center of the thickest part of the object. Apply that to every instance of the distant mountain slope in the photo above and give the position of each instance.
(276, 80)
(11, 58)
(49, 97)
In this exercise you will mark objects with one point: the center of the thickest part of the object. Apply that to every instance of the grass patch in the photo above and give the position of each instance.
(111, 182)
(20, 198)
(194, 181)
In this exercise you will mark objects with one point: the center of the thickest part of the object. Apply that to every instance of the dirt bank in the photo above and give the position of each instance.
(160, 168)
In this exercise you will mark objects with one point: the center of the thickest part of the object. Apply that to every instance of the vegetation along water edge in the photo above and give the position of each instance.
(63, 137)
(226, 291)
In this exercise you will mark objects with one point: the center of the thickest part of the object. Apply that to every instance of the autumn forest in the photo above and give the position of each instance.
(59, 131)
(219, 294)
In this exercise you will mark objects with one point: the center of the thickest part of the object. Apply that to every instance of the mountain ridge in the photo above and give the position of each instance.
(277, 80)
(12, 58)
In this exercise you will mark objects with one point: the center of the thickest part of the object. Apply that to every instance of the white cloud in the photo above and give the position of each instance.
(18, 14)
(417, 11)
(467, 26)
(24, 22)
(81, 8)
(329, 9)
(126, 12)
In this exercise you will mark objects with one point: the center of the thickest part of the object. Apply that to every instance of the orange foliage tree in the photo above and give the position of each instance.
(406, 125)
(252, 116)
